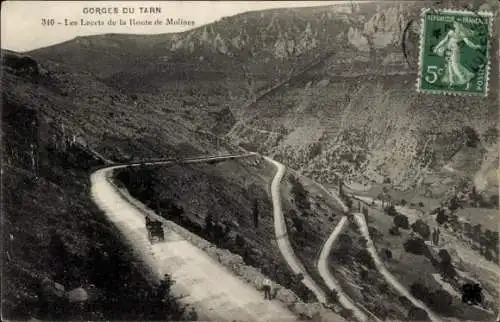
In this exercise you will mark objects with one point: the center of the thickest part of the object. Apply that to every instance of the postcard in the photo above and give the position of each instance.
(250, 160)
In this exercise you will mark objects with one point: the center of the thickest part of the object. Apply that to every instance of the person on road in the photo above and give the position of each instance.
(267, 289)
(192, 315)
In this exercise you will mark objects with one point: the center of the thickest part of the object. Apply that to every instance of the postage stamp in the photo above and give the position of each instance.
(454, 53)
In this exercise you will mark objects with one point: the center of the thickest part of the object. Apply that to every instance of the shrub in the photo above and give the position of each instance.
(299, 194)
(441, 301)
(421, 228)
(333, 296)
(441, 217)
(415, 246)
(420, 291)
(403, 202)
(364, 257)
(420, 204)
(347, 314)
(471, 136)
(391, 210)
(363, 241)
(401, 221)
(375, 234)
(445, 257)
(417, 314)
(494, 201)
(387, 253)
(394, 231)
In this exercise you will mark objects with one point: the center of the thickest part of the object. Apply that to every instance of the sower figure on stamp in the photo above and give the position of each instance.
(267, 289)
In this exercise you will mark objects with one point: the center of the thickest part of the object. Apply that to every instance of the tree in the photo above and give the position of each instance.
(476, 233)
(255, 213)
(333, 296)
(471, 137)
(403, 202)
(445, 257)
(364, 257)
(394, 230)
(453, 204)
(415, 246)
(239, 242)
(421, 228)
(298, 223)
(391, 210)
(401, 221)
(175, 212)
(420, 291)
(441, 217)
(300, 194)
(209, 224)
(387, 253)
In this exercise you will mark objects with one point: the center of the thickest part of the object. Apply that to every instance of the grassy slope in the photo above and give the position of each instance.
(226, 191)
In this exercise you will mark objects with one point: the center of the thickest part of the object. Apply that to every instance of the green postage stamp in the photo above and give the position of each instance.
(455, 52)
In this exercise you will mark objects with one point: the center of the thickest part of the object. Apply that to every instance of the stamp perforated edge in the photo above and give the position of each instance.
(421, 51)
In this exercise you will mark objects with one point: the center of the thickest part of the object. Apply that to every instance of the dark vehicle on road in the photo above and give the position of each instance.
(155, 230)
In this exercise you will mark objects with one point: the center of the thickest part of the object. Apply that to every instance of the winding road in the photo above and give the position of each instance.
(328, 277)
(225, 297)
(282, 236)
(360, 220)
(212, 289)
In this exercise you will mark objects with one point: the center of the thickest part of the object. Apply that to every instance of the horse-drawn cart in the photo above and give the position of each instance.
(155, 230)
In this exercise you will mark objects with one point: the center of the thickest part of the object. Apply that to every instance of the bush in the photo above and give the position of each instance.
(391, 210)
(441, 301)
(333, 296)
(417, 314)
(394, 231)
(421, 228)
(420, 291)
(441, 217)
(494, 201)
(403, 202)
(387, 253)
(363, 241)
(347, 314)
(364, 257)
(299, 194)
(401, 221)
(445, 257)
(415, 246)
(421, 204)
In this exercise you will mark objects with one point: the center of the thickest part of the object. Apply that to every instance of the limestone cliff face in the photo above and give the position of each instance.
(374, 129)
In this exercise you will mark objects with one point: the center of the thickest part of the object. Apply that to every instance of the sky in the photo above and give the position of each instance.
(22, 26)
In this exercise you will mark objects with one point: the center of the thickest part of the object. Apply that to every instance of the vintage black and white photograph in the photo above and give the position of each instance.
(250, 161)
